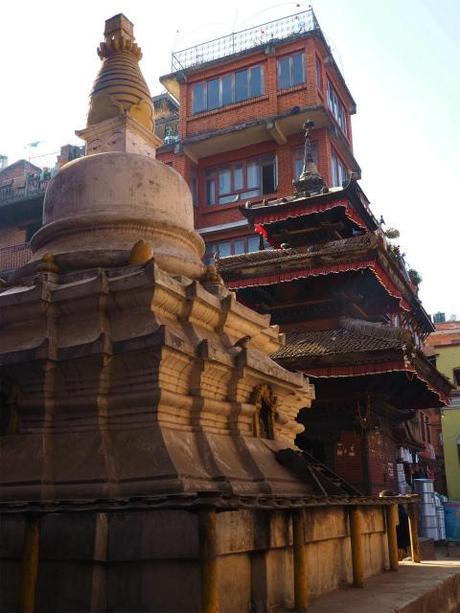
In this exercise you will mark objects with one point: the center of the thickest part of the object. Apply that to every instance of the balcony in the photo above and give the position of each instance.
(14, 256)
(22, 188)
(287, 27)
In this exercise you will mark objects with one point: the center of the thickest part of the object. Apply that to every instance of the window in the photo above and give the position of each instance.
(336, 106)
(338, 171)
(456, 373)
(237, 246)
(228, 89)
(240, 180)
(319, 74)
(291, 71)
(298, 159)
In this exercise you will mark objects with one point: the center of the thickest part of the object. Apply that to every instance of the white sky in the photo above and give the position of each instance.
(400, 60)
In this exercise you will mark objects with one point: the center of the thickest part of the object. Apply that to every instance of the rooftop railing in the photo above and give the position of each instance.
(22, 188)
(245, 39)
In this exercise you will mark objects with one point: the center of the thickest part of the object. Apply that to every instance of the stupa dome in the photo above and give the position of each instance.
(102, 204)
(98, 207)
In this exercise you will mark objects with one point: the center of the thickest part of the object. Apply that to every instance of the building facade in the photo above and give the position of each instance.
(242, 102)
(445, 344)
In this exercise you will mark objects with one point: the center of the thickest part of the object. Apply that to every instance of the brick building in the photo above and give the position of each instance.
(22, 188)
(243, 100)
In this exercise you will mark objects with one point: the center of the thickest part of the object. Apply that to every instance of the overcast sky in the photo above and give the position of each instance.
(400, 59)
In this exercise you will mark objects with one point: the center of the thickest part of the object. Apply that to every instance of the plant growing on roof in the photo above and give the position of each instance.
(414, 276)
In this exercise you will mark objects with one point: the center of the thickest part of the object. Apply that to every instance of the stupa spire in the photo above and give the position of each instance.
(121, 113)
(310, 181)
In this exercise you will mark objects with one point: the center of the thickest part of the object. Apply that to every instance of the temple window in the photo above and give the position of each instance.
(336, 106)
(240, 180)
(291, 70)
(228, 89)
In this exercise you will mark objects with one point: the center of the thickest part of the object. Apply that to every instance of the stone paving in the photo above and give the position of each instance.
(433, 586)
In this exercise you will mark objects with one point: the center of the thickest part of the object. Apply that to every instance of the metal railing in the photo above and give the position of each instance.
(236, 42)
(30, 187)
(14, 256)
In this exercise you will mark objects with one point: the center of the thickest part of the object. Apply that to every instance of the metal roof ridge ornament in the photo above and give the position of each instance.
(310, 181)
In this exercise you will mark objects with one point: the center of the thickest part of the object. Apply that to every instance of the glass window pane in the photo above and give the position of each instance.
(228, 199)
(253, 174)
(198, 103)
(283, 73)
(213, 94)
(224, 181)
(210, 191)
(227, 89)
(238, 177)
(224, 249)
(250, 194)
(298, 167)
(256, 81)
(253, 243)
(298, 73)
(238, 247)
(241, 85)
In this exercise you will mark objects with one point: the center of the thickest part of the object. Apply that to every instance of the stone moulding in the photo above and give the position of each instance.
(149, 380)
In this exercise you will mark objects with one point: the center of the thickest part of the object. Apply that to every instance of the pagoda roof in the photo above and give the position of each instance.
(360, 348)
(366, 252)
(351, 197)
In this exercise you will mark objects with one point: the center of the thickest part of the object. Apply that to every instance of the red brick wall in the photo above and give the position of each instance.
(10, 235)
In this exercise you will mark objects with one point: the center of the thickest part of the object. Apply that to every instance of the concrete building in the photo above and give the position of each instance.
(445, 344)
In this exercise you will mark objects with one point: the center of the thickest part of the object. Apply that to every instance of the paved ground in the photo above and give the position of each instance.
(429, 587)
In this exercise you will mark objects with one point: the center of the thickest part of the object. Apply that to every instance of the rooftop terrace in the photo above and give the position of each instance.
(280, 29)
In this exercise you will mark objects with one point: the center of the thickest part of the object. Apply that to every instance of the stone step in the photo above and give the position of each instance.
(428, 587)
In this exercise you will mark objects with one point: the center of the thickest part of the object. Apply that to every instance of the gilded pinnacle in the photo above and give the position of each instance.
(119, 36)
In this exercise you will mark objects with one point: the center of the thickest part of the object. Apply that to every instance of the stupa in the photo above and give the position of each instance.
(147, 439)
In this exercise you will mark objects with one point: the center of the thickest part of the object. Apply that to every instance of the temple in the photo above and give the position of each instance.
(353, 321)
(147, 437)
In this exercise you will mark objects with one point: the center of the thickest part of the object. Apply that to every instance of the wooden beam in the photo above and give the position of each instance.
(300, 561)
(413, 532)
(391, 522)
(30, 564)
(357, 554)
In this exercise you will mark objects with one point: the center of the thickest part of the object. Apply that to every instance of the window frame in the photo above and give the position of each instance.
(290, 57)
(236, 194)
(335, 157)
(247, 240)
(204, 85)
(337, 107)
